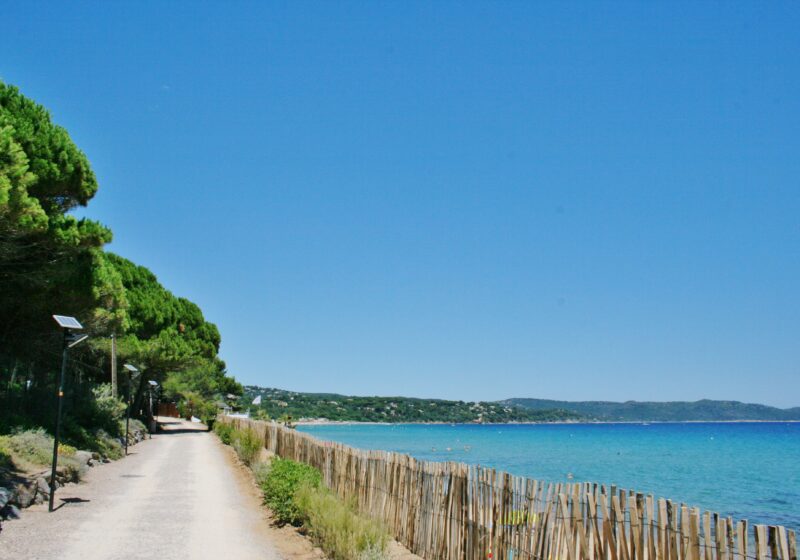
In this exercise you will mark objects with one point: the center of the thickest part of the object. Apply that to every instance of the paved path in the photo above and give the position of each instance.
(175, 497)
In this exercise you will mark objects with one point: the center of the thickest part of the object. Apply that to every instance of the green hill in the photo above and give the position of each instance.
(277, 403)
(634, 411)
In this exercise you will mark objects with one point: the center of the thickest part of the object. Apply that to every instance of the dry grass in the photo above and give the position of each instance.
(341, 532)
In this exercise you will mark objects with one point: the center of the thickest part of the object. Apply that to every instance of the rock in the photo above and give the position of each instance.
(42, 486)
(83, 457)
(5, 496)
(25, 495)
(10, 512)
(40, 498)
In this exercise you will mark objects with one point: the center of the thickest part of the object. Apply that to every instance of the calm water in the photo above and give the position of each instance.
(747, 471)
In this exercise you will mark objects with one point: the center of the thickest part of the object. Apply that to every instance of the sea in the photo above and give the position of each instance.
(744, 470)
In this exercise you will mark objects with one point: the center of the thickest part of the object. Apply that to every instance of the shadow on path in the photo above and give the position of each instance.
(65, 501)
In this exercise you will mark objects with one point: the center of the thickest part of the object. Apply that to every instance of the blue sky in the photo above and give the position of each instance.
(458, 200)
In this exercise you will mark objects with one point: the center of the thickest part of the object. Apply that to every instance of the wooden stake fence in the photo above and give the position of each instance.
(453, 511)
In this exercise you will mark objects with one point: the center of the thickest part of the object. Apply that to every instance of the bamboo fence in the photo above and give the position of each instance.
(453, 511)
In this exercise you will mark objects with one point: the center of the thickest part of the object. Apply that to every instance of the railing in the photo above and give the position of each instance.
(453, 511)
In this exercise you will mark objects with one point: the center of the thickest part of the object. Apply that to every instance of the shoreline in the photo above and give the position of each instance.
(325, 422)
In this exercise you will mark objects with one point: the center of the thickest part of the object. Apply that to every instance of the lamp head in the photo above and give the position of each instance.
(74, 340)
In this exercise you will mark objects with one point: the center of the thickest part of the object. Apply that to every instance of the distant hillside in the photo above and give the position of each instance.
(277, 403)
(634, 411)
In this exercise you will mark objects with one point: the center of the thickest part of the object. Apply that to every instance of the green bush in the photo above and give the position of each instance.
(109, 410)
(224, 431)
(248, 445)
(34, 448)
(280, 485)
(98, 409)
(342, 533)
(99, 440)
(260, 473)
(107, 445)
(5, 457)
(195, 404)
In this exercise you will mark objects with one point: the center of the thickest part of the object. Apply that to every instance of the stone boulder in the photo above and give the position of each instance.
(83, 457)
(10, 512)
(25, 494)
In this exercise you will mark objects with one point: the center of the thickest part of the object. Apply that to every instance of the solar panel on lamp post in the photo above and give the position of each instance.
(71, 339)
(131, 371)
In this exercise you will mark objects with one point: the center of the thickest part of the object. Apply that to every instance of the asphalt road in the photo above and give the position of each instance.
(176, 496)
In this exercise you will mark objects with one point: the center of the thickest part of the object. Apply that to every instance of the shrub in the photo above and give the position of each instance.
(280, 485)
(194, 404)
(98, 409)
(34, 448)
(109, 409)
(98, 440)
(224, 431)
(5, 456)
(248, 445)
(107, 445)
(260, 473)
(341, 532)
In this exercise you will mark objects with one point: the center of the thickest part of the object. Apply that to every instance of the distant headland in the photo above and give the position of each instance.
(279, 403)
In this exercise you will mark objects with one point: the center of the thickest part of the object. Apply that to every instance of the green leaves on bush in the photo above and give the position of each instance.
(281, 484)
(34, 448)
(5, 460)
(248, 445)
(295, 493)
(224, 431)
(341, 532)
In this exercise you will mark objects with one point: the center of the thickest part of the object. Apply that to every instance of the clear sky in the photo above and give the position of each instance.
(458, 200)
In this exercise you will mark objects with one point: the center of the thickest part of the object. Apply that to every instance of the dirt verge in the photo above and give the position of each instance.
(290, 541)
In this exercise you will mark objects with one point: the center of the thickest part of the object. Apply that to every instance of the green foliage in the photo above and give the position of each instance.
(260, 414)
(633, 411)
(295, 494)
(342, 533)
(261, 472)
(99, 409)
(225, 432)
(247, 442)
(6, 462)
(194, 404)
(45, 254)
(50, 258)
(206, 380)
(281, 484)
(247, 445)
(93, 439)
(34, 448)
(281, 404)
(64, 177)
(107, 445)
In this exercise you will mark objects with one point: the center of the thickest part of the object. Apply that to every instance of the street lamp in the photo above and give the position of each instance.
(154, 422)
(131, 372)
(71, 339)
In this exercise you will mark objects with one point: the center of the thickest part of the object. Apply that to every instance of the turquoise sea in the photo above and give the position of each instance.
(745, 470)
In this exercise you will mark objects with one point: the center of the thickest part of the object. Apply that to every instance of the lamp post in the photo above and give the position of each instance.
(71, 339)
(154, 423)
(131, 372)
